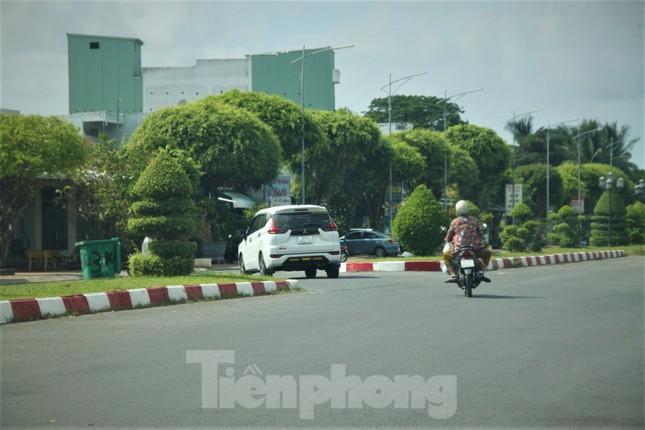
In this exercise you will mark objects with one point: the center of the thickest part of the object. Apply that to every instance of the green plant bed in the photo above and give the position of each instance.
(66, 288)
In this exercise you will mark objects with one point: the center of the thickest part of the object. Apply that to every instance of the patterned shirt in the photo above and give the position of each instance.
(464, 231)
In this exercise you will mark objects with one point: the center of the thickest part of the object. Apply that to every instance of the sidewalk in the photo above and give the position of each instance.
(76, 275)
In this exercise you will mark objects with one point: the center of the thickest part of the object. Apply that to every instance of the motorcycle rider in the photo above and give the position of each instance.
(465, 230)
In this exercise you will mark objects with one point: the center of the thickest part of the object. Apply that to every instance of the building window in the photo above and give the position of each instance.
(94, 45)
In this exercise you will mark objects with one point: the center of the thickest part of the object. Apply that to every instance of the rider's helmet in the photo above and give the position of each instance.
(461, 208)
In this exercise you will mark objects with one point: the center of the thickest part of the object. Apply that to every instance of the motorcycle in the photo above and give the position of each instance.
(465, 265)
(344, 253)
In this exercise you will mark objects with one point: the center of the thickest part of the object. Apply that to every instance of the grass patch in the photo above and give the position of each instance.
(66, 288)
(499, 253)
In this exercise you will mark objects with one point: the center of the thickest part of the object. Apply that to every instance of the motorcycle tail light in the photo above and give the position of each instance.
(468, 254)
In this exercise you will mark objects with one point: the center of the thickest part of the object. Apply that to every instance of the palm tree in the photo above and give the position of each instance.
(611, 145)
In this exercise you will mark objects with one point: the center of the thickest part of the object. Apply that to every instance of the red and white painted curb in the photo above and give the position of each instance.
(32, 309)
(495, 263)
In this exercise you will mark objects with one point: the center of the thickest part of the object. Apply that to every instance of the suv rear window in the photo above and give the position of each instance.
(298, 221)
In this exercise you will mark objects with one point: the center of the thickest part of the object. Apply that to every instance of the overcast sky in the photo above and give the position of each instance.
(571, 59)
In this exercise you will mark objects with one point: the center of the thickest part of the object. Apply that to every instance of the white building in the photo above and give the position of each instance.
(168, 86)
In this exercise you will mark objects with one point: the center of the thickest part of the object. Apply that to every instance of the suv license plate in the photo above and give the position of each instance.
(305, 240)
(467, 263)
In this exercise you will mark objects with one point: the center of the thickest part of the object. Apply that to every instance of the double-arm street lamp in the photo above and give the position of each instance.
(512, 121)
(302, 105)
(401, 81)
(578, 137)
(608, 184)
(548, 161)
(445, 100)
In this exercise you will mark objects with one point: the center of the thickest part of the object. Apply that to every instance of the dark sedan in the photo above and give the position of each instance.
(365, 241)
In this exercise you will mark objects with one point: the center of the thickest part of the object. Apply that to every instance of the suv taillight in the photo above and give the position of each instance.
(331, 226)
(273, 228)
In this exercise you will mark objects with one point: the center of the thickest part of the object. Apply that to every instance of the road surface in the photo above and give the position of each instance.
(543, 346)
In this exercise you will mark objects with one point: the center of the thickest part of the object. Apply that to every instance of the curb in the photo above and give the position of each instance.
(494, 264)
(32, 309)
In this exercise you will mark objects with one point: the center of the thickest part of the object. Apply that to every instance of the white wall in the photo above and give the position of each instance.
(167, 86)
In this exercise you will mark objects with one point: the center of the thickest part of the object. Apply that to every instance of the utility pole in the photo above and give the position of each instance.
(302, 108)
(403, 81)
(447, 98)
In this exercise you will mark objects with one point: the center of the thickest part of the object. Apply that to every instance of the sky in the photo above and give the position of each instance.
(570, 60)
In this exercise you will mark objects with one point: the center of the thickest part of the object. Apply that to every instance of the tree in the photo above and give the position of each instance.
(408, 165)
(32, 147)
(590, 174)
(612, 143)
(491, 156)
(433, 147)
(231, 145)
(418, 223)
(282, 115)
(420, 111)
(164, 212)
(533, 180)
(349, 169)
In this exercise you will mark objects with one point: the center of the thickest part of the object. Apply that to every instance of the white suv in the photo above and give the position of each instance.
(291, 238)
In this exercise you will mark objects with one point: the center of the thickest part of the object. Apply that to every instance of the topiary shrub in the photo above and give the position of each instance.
(165, 213)
(418, 223)
(527, 236)
(522, 213)
(602, 217)
(568, 230)
(514, 244)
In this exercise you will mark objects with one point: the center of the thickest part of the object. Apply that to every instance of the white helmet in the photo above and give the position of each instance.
(461, 208)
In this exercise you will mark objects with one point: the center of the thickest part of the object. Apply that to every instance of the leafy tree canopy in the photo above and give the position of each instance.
(32, 146)
(282, 115)
(420, 111)
(231, 145)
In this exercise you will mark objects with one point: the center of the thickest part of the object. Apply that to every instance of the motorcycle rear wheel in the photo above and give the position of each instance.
(468, 287)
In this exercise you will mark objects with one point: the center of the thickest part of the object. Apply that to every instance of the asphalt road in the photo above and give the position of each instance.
(545, 346)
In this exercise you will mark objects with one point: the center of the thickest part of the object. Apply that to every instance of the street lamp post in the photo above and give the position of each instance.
(402, 81)
(515, 116)
(302, 106)
(446, 99)
(578, 137)
(608, 184)
(548, 161)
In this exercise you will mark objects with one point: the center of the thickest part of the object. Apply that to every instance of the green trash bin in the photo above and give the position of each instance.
(100, 258)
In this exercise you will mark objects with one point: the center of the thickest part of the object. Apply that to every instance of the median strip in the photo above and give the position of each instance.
(495, 263)
(39, 308)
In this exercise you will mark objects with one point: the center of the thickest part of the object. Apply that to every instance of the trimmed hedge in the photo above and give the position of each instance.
(173, 248)
(154, 265)
(167, 227)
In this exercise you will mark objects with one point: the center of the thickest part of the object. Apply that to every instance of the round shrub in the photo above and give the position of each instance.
(418, 223)
(553, 238)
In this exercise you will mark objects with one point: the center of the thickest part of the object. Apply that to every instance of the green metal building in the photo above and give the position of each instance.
(104, 74)
(276, 74)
